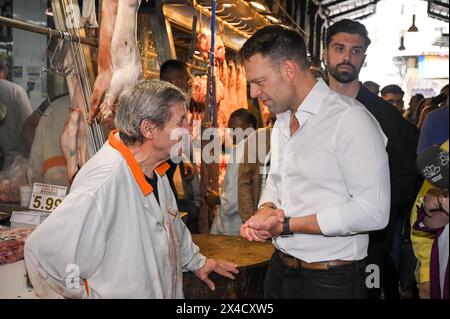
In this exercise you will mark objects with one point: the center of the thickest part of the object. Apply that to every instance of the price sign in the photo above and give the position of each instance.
(47, 197)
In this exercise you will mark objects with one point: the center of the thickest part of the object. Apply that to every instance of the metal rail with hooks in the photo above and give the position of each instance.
(26, 26)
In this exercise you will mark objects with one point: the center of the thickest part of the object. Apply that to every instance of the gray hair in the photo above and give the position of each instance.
(149, 100)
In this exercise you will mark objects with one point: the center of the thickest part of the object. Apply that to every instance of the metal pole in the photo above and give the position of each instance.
(45, 30)
(212, 58)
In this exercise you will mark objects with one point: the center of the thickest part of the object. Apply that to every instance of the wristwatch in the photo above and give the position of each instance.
(286, 230)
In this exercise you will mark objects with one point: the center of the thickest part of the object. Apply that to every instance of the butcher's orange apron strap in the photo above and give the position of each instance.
(53, 162)
(86, 287)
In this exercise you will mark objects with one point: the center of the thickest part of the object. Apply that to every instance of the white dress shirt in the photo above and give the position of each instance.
(111, 232)
(335, 165)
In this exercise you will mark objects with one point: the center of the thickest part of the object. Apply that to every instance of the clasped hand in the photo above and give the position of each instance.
(265, 223)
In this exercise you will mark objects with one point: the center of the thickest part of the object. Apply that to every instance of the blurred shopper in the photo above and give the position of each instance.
(435, 128)
(253, 170)
(413, 103)
(373, 87)
(227, 220)
(183, 175)
(435, 102)
(394, 95)
(435, 131)
(18, 109)
(46, 157)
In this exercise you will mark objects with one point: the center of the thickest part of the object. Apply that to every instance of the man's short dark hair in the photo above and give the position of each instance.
(419, 97)
(278, 43)
(245, 115)
(347, 26)
(170, 67)
(392, 88)
(372, 86)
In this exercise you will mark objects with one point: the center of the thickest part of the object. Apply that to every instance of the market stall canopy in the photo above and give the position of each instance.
(336, 10)
(438, 9)
(237, 20)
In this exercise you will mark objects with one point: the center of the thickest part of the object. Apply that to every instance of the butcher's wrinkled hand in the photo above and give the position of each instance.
(262, 225)
(222, 267)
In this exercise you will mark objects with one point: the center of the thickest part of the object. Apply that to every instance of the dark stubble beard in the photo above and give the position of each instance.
(344, 76)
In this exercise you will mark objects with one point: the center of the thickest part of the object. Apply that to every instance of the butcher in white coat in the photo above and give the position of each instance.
(118, 233)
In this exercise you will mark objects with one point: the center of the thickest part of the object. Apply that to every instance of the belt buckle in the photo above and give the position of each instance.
(315, 265)
(289, 261)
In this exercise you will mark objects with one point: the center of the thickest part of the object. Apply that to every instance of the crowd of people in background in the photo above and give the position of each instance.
(401, 249)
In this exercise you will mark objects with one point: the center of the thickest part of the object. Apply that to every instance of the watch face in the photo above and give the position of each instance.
(286, 231)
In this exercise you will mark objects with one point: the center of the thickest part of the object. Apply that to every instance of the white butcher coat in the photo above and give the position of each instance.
(109, 238)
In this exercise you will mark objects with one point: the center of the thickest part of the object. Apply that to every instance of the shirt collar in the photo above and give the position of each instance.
(314, 99)
(311, 105)
(136, 170)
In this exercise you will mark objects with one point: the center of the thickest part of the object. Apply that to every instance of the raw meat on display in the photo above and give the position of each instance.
(12, 243)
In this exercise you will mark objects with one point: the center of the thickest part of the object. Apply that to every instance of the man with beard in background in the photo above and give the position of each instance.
(346, 43)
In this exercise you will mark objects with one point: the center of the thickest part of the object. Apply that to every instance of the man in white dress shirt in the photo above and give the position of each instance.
(118, 233)
(328, 184)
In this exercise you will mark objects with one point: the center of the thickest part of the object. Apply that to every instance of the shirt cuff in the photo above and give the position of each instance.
(196, 263)
(267, 198)
(330, 222)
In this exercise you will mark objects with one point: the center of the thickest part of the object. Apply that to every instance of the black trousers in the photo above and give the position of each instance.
(343, 282)
(380, 243)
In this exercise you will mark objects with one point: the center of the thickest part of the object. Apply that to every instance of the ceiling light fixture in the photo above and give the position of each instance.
(413, 27)
(402, 44)
(228, 5)
(258, 5)
(272, 19)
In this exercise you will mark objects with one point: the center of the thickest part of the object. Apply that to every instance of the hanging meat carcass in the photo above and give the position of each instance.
(233, 101)
(74, 142)
(241, 86)
(222, 73)
(200, 89)
(219, 49)
(88, 16)
(104, 64)
(204, 45)
(126, 61)
(204, 42)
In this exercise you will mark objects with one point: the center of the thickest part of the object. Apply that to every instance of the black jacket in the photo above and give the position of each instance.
(403, 138)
